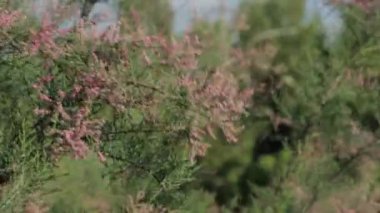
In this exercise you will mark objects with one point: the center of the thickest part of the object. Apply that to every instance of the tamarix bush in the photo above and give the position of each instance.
(140, 101)
(114, 71)
(115, 114)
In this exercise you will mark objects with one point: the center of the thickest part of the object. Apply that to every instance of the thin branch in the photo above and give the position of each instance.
(275, 33)
(139, 84)
(144, 131)
(361, 152)
(136, 165)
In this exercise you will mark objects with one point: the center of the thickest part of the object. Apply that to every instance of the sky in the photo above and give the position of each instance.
(207, 9)
(330, 17)
(184, 11)
(331, 20)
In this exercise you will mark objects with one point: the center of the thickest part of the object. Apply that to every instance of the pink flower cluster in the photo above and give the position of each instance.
(182, 54)
(216, 99)
(223, 105)
(44, 39)
(190, 49)
(75, 125)
(218, 103)
(8, 18)
(81, 129)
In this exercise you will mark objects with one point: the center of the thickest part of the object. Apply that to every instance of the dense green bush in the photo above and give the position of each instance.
(139, 120)
(313, 128)
(137, 100)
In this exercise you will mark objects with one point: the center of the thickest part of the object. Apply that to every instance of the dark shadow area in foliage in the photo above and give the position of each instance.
(273, 142)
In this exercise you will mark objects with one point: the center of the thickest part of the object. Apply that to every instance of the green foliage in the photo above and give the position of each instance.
(308, 101)
(81, 186)
(310, 142)
(155, 15)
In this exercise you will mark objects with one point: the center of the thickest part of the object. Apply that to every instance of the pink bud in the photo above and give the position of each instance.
(45, 98)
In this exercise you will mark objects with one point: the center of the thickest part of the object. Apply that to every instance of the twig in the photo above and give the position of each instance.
(275, 33)
(139, 84)
(144, 130)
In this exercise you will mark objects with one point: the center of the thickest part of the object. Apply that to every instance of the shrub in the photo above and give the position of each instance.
(139, 101)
